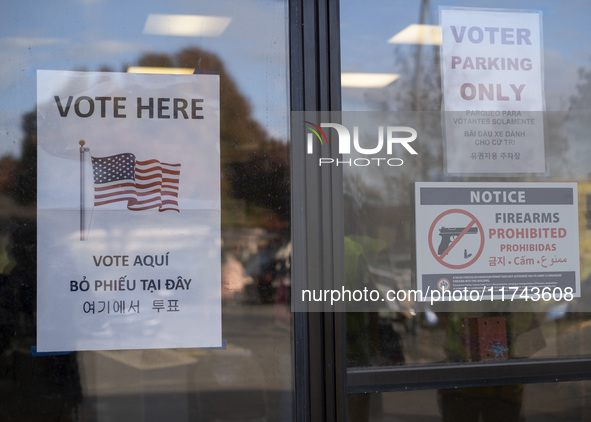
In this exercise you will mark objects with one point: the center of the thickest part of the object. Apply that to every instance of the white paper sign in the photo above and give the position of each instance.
(493, 103)
(128, 211)
(501, 236)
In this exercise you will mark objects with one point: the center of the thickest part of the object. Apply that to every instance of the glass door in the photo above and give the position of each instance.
(503, 357)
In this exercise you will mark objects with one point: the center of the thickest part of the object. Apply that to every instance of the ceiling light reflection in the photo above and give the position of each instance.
(186, 25)
(367, 80)
(161, 70)
(418, 34)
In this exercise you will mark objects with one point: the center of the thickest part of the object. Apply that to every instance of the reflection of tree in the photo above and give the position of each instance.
(255, 171)
(419, 85)
(52, 382)
(25, 177)
(378, 203)
(581, 103)
(582, 99)
(8, 169)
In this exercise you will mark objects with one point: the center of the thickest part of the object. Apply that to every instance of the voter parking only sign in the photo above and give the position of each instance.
(497, 238)
(493, 90)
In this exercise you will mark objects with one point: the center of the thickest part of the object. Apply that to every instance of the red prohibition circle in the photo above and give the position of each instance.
(474, 221)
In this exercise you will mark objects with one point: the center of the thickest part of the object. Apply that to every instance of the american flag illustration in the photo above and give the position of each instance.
(143, 184)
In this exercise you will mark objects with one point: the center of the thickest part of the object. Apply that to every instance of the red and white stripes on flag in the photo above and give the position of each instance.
(143, 184)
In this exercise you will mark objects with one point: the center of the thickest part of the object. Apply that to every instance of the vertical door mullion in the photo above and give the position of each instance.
(317, 221)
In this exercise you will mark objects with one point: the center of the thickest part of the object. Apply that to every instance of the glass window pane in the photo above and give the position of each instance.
(388, 68)
(246, 43)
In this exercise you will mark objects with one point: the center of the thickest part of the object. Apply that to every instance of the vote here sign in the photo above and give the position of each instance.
(128, 205)
(491, 65)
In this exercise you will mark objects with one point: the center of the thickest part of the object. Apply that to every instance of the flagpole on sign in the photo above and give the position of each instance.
(83, 149)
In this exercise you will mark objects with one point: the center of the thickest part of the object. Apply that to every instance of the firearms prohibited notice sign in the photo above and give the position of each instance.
(495, 238)
(452, 227)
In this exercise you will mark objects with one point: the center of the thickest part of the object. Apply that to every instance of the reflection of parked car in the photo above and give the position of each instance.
(386, 281)
(264, 282)
(397, 277)
(267, 269)
(234, 278)
(572, 308)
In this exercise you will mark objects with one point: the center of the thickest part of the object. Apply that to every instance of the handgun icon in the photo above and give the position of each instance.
(448, 234)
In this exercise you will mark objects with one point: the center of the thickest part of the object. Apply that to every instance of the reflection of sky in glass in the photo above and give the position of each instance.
(95, 34)
(92, 34)
(566, 32)
(365, 31)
